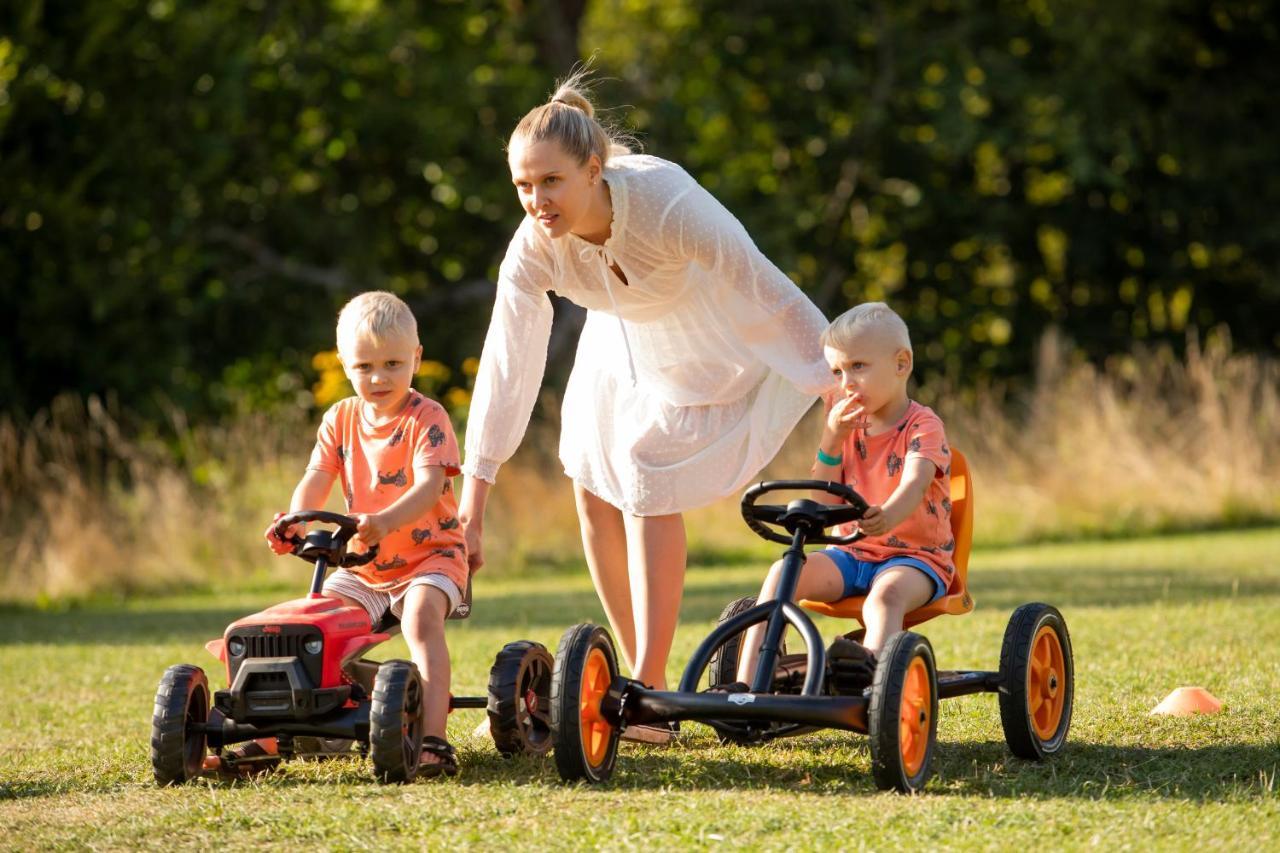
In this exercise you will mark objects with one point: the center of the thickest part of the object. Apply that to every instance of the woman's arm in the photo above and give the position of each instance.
(513, 359)
(475, 495)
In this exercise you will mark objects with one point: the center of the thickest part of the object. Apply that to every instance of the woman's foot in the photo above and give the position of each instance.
(654, 734)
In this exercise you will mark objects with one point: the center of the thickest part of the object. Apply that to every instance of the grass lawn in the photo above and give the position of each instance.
(1145, 616)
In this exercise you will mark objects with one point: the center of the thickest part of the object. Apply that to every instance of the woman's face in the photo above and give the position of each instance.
(554, 189)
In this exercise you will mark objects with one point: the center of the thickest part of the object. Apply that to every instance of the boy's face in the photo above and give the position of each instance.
(381, 371)
(553, 188)
(872, 369)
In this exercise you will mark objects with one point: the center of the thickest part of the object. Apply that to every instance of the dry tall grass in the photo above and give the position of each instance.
(1146, 443)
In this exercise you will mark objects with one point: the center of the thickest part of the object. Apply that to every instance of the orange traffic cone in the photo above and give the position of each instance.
(1186, 701)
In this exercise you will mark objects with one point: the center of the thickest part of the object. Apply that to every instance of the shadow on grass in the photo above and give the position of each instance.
(830, 764)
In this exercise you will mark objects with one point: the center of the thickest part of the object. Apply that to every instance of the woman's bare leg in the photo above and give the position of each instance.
(604, 540)
(656, 555)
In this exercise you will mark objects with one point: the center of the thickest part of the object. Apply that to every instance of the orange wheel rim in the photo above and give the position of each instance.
(1046, 683)
(594, 729)
(914, 717)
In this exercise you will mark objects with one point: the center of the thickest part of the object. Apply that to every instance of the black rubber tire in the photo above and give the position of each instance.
(182, 700)
(723, 667)
(883, 715)
(395, 722)
(567, 683)
(1015, 695)
(520, 699)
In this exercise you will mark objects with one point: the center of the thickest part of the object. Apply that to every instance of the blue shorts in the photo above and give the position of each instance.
(859, 574)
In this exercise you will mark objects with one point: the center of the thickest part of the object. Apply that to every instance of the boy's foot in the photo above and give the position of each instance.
(654, 734)
(731, 687)
(245, 760)
(852, 665)
(438, 758)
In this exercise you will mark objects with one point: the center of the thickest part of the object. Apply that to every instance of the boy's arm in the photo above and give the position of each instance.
(428, 486)
(311, 493)
(917, 473)
(845, 415)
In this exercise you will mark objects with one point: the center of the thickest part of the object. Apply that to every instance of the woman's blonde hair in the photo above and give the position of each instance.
(869, 317)
(570, 120)
(377, 316)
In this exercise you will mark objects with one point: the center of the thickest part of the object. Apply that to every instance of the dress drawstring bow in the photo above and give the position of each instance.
(586, 254)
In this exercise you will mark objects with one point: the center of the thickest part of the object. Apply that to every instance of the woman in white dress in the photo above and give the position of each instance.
(697, 358)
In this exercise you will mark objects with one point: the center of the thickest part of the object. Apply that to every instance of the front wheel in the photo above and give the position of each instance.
(178, 741)
(520, 699)
(1037, 682)
(395, 722)
(585, 743)
(903, 714)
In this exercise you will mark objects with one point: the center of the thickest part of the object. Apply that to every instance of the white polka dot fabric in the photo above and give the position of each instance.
(724, 348)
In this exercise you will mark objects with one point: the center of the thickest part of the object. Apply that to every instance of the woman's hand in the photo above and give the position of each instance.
(475, 494)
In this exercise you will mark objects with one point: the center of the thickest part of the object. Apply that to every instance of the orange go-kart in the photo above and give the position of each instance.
(896, 704)
(298, 680)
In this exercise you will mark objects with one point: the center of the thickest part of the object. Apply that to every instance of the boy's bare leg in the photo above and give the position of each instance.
(604, 540)
(820, 580)
(425, 609)
(894, 593)
(656, 556)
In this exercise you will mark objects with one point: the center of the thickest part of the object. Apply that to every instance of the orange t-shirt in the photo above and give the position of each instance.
(377, 465)
(873, 466)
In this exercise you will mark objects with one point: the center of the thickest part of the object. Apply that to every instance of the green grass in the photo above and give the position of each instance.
(1146, 616)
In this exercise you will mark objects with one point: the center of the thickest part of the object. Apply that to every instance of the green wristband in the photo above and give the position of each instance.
(829, 460)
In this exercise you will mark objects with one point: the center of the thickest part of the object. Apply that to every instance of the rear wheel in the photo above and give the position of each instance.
(181, 707)
(585, 743)
(1037, 682)
(395, 722)
(520, 699)
(723, 668)
(903, 714)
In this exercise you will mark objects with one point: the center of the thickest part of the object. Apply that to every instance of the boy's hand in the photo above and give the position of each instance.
(874, 522)
(846, 415)
(370, 528)
(276, 543)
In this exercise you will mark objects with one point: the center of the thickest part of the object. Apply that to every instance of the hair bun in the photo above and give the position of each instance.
(571, 97)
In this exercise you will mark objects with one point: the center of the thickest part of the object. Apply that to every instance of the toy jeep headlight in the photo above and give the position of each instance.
(235, 647)
(313, 646)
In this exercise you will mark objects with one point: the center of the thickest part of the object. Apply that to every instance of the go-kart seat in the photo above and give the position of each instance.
(957, 601)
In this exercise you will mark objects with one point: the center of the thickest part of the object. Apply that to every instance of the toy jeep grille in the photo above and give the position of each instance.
(273, 646)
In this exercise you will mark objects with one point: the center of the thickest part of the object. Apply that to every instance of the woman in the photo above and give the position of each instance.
(697, 358)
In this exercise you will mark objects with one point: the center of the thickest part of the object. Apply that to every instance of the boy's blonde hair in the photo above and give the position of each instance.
(569, 119)
(378, 316)
(869, 317)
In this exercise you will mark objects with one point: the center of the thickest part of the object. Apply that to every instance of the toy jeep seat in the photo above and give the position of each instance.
(957, 601)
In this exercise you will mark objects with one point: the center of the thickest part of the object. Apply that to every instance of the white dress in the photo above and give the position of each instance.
(687, 378)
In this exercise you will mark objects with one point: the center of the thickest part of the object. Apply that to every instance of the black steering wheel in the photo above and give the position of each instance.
(804, 514)
(329, 545)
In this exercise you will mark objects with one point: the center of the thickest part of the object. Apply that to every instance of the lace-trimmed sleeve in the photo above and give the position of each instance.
(773, 316)
(514, 357)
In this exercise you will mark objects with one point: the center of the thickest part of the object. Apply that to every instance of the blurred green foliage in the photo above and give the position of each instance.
(189, 191)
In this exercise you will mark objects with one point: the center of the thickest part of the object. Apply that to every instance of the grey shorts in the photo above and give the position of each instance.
(376, 602)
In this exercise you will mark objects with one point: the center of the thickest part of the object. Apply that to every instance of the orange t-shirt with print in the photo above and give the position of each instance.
(377, 465)
(873, 466)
